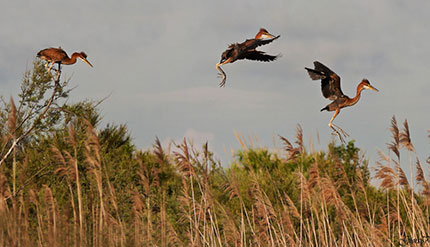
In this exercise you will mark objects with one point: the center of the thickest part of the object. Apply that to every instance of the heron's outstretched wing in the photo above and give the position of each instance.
(259, 56)
(330, 81)
(251, 44)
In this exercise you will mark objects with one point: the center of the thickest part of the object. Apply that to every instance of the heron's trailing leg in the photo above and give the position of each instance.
(330, 124)
(340, 130)
(337, 133)
(221, 72)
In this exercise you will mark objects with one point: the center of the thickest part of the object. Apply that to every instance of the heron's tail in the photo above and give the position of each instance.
(324, 109)
(222, 74)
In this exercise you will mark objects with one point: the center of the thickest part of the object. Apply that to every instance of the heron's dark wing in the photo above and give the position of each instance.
(251, 44)
(315, 75)
(330, 81)
(259, 56)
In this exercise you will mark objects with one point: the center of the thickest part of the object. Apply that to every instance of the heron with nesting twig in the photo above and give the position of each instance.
(247, 50)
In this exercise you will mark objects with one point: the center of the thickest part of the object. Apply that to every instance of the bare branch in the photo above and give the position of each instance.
(41, 116)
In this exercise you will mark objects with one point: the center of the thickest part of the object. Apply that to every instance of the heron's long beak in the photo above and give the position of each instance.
(86, 61)
(373, 88)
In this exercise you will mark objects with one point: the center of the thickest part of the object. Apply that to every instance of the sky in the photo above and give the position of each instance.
(155, 60)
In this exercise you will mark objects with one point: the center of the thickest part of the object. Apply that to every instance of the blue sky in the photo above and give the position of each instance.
(156, 60)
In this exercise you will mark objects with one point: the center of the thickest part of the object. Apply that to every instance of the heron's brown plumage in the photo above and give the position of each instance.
(247, 50)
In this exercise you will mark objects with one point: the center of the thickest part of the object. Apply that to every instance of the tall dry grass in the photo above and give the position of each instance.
(185, 198)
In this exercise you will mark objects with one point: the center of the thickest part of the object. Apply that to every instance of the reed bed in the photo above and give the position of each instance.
(72, 183)
(102, 195)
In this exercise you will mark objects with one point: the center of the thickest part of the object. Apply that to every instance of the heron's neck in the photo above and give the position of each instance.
(357, 96)
(71, 60)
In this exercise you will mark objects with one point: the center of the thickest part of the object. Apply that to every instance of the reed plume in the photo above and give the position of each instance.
(405, 137)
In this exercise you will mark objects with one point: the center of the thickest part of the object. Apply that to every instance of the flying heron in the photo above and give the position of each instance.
(58, 55)
(246, 50)
(330, 87)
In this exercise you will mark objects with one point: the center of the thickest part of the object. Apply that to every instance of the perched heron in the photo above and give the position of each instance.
(58, 55)
(330, 87)
(246, 50)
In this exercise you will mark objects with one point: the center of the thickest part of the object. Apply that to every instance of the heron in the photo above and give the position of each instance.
(58, 55)
(247, 50)
(330, 87)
